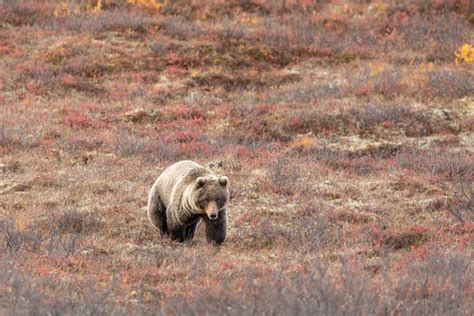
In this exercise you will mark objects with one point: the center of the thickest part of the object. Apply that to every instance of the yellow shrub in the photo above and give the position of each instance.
(302, 142)
(151, 4)
(376, 68)
(465, 53)
(96, 5)
(251, 21)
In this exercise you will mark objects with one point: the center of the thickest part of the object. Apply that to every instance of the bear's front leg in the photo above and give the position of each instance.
(216, 229)
(178, 234)
(190, 230)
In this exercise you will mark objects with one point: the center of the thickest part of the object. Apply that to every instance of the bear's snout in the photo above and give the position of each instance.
(212, 210)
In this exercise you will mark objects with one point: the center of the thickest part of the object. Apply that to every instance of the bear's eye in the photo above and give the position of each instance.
(220, 202)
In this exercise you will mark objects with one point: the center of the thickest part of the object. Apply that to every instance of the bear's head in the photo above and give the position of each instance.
(211, 195)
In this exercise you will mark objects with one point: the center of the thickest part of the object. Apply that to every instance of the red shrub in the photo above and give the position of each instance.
(239, 151)
(76, 120)
(184, 136)
(175, 70)
(173, 58)
(194, 123)
(196, 148)
(183, 111)
(35, 88)
(45, 142)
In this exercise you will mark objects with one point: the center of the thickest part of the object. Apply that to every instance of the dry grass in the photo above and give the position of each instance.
(346, 130)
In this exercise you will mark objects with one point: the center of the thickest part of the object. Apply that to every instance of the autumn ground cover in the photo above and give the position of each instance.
(345, 127)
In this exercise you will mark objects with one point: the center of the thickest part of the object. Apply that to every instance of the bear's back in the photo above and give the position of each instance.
(184, 171)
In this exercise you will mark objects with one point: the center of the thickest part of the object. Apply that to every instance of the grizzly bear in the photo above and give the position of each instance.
(185, 194)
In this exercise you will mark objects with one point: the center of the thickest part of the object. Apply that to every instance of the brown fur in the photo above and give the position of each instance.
(184, 194)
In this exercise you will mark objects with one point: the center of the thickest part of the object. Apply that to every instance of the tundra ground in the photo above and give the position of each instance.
(346, 131)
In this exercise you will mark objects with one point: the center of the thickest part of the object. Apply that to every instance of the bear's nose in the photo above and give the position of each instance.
(212, 216)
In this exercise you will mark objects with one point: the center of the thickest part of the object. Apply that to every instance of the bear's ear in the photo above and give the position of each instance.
(223, 180)
(201, 181)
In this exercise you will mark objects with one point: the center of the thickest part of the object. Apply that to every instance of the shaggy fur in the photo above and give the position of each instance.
(184, 194)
